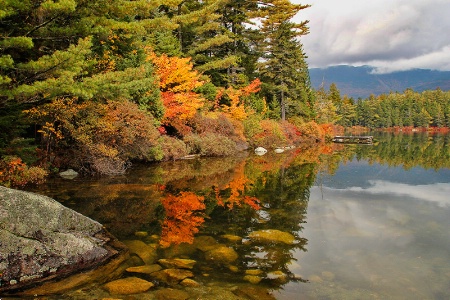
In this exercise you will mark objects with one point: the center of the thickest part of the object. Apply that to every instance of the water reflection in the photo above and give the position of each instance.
(334, 222)
(375, 231)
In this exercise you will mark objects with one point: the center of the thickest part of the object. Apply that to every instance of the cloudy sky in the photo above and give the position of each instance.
(391, 35)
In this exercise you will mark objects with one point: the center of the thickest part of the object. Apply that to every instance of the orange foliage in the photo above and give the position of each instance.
(270, 135)
(14, 172)
(10, 171)
(182, 218)
(236, 108)
(104, 135)
(328, 129)
(180, 106)
(326, 149)
(177, 80)
(237, 187)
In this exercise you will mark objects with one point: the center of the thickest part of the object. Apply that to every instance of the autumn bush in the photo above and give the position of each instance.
(101, 137)
(15, 173)
(328, 130)
(210, 144)
(292, 133)
(121, 134)
(311, 130)
(217, 123)
(267, 134)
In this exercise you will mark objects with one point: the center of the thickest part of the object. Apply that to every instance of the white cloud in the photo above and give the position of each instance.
(388, 34)
(436, 193)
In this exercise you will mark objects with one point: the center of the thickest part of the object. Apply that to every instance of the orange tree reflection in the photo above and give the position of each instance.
(183, 217)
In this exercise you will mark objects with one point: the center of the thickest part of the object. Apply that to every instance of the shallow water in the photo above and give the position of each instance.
(365, 223)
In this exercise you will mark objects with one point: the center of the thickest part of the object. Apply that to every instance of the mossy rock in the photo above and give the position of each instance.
(272, 236)
(222, 255)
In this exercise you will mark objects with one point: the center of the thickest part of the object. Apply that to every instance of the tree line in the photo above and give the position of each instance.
(430, 108)
(406, 150)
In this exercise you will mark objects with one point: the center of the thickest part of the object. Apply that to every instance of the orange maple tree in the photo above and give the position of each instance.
(177, 81)
(183, 217)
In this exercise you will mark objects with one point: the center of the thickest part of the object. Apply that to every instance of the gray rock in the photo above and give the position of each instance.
(69, 174)
(41, 240)
(260, 151)
(279, 150)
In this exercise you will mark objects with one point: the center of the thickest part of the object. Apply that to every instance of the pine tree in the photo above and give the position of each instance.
(283, 69)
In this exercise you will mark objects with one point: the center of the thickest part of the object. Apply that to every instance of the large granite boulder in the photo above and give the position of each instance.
(41, 240)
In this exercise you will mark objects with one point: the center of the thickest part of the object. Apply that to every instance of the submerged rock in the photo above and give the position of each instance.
(189, 283)
(41, 240)
(254, 272)
(177, 263)
(146, 269)
(205, 243)
(127, 286)
(252, 279)
(272, 236)
(231, 238)
(171, 294)
(147, 253)
(172, 276)
(222, 255)
(254, 293)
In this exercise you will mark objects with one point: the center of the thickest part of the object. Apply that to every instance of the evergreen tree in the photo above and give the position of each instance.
(347, 112)
(204, 37)
(283, 68)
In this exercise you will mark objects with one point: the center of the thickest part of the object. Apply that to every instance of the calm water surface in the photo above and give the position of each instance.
(367, 222)
(376, 232)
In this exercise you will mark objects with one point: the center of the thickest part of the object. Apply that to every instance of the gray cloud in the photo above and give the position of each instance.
(388, 34)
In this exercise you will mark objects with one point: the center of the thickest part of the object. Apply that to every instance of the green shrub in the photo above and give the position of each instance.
(210, 144)
(169, 148)
(252, 126)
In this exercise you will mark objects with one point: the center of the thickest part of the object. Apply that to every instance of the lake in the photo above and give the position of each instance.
(332, 222)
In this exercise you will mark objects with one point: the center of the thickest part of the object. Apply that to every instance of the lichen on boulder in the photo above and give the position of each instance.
(41, 240)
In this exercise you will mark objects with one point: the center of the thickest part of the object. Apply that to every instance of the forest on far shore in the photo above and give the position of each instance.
(409, 109)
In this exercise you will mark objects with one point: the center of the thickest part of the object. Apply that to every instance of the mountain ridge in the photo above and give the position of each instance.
(361, 82)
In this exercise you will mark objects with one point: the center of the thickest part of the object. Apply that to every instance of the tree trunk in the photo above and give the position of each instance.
(283, 105)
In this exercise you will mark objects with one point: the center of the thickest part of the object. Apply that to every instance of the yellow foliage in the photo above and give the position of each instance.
(177, 80)
(236, 109)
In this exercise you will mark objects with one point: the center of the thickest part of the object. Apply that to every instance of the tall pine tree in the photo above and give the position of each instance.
(283, 67)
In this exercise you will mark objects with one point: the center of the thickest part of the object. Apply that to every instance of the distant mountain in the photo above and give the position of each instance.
(360, 82)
